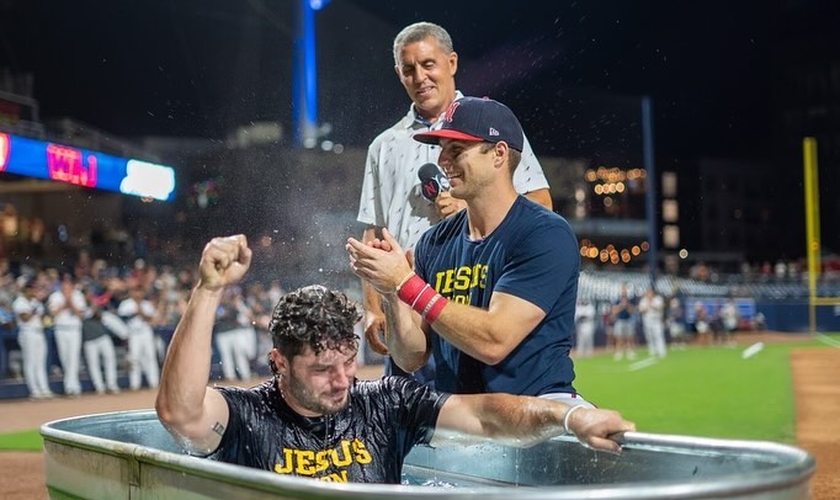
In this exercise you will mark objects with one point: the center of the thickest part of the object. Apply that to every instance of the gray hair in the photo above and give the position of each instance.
(420, 31)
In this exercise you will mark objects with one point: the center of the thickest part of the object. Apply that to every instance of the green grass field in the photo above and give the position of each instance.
(25, 440)
(701, 391)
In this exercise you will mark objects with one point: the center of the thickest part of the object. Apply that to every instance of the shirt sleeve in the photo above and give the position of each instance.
(416, 407)
(370, 210)
(529, 175)
(238, 443)
(542, 265)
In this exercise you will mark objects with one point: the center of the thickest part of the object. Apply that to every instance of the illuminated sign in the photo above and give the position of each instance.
(58, 162)
(4, 151)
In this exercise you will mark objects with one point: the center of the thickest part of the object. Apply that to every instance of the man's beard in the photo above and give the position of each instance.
(307, 399)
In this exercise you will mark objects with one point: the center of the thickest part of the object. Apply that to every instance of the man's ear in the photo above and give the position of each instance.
(500, 154)
(280, 361)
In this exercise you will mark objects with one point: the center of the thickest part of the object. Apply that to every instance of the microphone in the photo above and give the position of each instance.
(432, 181)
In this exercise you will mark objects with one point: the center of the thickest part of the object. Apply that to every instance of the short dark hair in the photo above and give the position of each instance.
(315, 316)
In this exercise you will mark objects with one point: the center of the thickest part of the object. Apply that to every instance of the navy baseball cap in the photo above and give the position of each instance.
(477, 119)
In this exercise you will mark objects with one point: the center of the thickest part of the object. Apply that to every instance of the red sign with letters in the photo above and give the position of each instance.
(66, 164)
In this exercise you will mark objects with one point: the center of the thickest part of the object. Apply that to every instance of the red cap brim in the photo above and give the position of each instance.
(434, 136)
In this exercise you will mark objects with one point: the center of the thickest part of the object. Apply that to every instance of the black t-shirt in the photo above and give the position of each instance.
(92, 329)
(365, 442)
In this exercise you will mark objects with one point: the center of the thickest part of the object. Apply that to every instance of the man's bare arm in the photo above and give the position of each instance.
(195, 414)
(541, 196)
(523, 421)
(487, 335)
(376, 327)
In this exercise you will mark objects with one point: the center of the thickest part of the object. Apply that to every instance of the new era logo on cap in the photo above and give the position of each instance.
(477, 119)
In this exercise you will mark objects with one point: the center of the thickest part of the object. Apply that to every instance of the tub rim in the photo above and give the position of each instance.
(798, 469)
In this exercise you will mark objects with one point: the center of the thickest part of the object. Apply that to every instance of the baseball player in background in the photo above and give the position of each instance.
(68, 306)
(138, 313)
(652, 310)
(29, 315)
(235, 336)
(584, 328)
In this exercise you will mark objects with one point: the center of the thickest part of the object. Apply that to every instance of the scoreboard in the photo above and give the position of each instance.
(82, 167)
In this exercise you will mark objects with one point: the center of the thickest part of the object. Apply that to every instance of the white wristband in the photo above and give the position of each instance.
(566, 418)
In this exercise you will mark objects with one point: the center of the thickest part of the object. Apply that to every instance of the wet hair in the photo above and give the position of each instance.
(313, 316)
(420, 31)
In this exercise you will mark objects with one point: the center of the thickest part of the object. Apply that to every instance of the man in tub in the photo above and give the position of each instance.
(313, 418)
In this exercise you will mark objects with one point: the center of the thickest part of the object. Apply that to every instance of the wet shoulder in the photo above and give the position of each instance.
(386, 388)
(258, 396)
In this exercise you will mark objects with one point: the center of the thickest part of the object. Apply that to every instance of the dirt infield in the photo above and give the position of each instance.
(816, 390)
(816, 382)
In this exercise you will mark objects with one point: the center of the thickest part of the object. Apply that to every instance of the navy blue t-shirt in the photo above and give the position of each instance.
(533, 255)
(365, 442)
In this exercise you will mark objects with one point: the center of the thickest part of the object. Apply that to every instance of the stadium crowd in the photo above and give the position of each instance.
(98, 326)
(118, 320)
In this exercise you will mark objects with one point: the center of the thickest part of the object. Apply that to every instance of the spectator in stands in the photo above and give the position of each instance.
(426, 63)
(780, 270)
(623, 331)
(83, 268)
(584, 328)
(652, 311)
(139, 313)
(29, 316)
(68, 306)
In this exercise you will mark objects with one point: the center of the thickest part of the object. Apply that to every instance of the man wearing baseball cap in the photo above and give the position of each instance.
(426, 63)
(493, 289)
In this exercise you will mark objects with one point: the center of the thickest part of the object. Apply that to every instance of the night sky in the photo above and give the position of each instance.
(573, 71)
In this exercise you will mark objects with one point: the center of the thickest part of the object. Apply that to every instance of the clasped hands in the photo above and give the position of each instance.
(380, 262)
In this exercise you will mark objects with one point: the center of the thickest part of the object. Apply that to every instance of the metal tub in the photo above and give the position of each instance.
(129, 455)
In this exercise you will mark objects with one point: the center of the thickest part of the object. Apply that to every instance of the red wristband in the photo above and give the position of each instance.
(410, 289)
(434, 308)
(421, 297)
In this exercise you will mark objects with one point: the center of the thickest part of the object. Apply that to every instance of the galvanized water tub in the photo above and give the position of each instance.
(129, 455)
